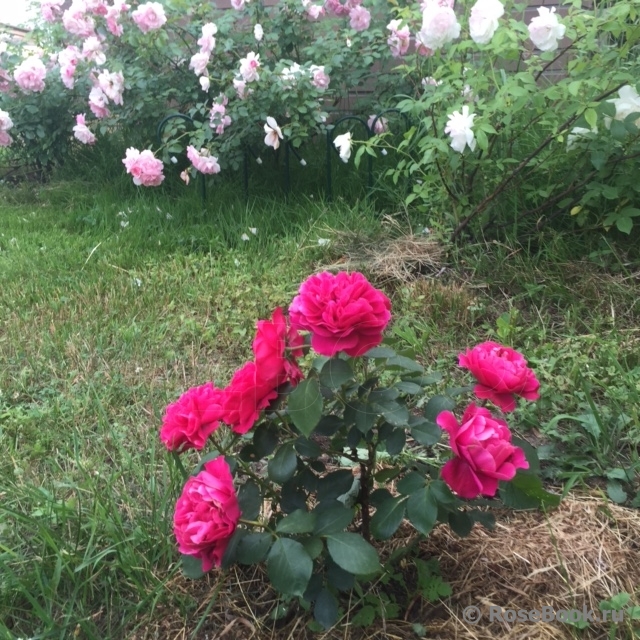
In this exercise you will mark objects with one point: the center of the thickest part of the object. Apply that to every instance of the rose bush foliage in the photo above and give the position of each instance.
(328, 439)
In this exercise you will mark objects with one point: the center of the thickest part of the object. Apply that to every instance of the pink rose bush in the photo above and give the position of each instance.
(343, 313)
(207, 514)
(484, 455)
(502, 373)
(145, 168)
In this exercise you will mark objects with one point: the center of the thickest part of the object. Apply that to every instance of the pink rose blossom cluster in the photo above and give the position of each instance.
(82, 132)
(207, 514)
(149, 16)
(30, 74)
(240, 86)
(341, 8)
(207, 42)
(484, 453)
(5, 124)
(399, 38)
(98, 102)
(50, 9)
(113, 15)
(112, 85)
(93, 50)
(68, 60)
(77, 21)
(202, 160)
(343, 312)
(218, 118)
(145, 168)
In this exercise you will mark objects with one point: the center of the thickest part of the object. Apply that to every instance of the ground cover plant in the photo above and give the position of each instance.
(113, 304)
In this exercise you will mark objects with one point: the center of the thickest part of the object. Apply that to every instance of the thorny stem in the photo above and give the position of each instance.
(365, 491)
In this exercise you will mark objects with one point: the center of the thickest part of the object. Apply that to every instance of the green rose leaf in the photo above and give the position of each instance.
(422, 510)
(191, 567)
(253, 547)
(332, 518)
(351, 552)
(298, 521)
(305, 406)
(283, 465)
(437, 405)
(250, 500)
(387, 518)
(326, 609)
(289, 567)
(335, 373)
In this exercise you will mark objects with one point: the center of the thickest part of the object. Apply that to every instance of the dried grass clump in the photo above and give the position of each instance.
(394, 256)
(580, 554)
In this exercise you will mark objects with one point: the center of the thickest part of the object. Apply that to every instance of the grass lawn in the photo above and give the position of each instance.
(111, 305)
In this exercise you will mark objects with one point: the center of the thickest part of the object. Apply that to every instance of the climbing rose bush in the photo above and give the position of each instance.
(329, 439)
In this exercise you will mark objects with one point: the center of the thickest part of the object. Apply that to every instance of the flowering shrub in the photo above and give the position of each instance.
(328, 440)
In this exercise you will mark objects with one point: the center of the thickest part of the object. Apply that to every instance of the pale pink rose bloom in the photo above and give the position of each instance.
(149, 16)
(199, 62)
(258, 32)
(340, 8)
(82, 132)
(274, 133)
(315, 12)
(5, 121)
(92, 50)
(359, 18)
(207, 42)
(249, 67)
(439, 26)
(97, 7)
(202, 160)
(145, 168)
(241, 88)
(112, 85)
(381, 124)
(68, 59)
(319, 79)
(238, 5)
(399, 39)
(483, 21)
(50, 9)
(76, 21)
(98, 103)
(218, 119)
(545, 30)
(205, 83)
(184, 176)
(5, 139)
(30, 74)
(113, 14)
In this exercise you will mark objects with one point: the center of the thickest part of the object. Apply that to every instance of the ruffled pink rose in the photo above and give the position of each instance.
(483, 450)
(276, 347)
(145, 168)
(98, 103)
(319, 78)
(359, 18)
(76, 21)
(377, 125)
(202, 160)
(248, 393)
(149, 16)
(30, 74)
(502, 373)
(5, 139)
(343, 312)
(50, 9)
(82, 132)
(188, 422)
(112, 85)
(207, 514)
(399, 38)
(341, 7)
(439, 26)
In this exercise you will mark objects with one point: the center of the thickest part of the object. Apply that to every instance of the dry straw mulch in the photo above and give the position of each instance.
(585, 551)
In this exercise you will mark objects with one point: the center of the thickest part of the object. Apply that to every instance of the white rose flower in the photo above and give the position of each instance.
(274, 134)
(483, 21)
(626, 104)
(459, 128)
(343, 144)
(439, 26)
(545, 30)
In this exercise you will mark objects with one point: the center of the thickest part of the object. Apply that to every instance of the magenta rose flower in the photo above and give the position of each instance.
(207, 514)
(343, 312)
(276, 347)
(502, 373)
(188, 422)
(483, 450)
(248, 393)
